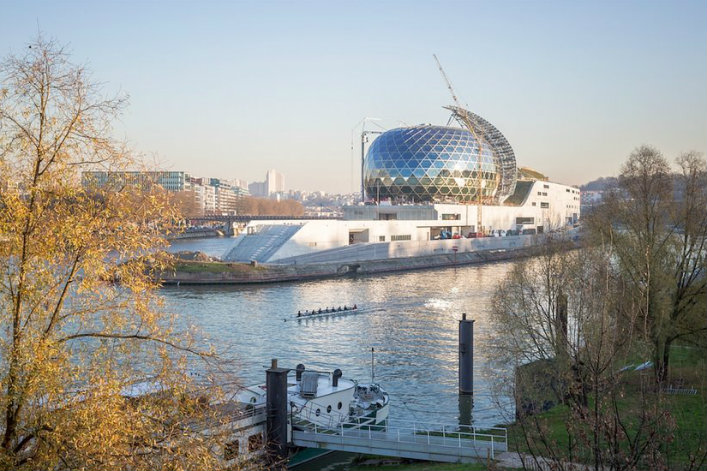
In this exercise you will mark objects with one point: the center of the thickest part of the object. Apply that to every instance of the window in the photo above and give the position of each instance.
(534, 203)
(400, 237)
(540, 193)
(546, 186)
(381, 238)
(521, 221)
(451, 217)
(328, 409)
(255, 442)
(338, 406)
(544, 205)
(230, 451)
(544, 193)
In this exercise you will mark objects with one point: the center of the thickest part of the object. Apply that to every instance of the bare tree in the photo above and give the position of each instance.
(560, 318)
(657, 225)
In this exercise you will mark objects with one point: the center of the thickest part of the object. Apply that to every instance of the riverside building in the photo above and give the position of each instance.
(428, 190)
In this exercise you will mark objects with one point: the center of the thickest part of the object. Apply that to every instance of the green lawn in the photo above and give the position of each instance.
(421, 466)
(689, 413)
(212, 267)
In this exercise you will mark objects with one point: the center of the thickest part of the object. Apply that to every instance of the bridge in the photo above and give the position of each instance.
(229, 220)
(247, 218)
(407, 439)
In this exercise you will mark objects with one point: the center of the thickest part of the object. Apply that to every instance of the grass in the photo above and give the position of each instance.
(380, 463)
(213, 267)
(689, 413)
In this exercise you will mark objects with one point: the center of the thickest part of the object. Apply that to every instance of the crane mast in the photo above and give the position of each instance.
(461, 114)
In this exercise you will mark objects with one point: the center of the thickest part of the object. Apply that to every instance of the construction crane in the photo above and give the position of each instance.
(462, 115)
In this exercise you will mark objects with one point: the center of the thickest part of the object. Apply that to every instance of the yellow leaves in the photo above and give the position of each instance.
(75, 339)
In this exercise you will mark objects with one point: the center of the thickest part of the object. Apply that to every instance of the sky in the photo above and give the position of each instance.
(231, 89)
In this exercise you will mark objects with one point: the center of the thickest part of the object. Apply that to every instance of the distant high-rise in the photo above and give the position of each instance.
(274, 183)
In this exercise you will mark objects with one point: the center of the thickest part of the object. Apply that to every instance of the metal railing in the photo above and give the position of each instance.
(442, 435)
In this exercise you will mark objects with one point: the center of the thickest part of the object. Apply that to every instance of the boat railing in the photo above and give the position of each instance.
(251, 411)
(323, 418)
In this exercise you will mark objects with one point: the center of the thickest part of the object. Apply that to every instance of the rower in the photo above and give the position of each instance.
(355, 307)
(299, 313)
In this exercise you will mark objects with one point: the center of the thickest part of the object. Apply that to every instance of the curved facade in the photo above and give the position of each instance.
(429, 164)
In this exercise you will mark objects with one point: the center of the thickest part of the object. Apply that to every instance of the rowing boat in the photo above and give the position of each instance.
(331, 313)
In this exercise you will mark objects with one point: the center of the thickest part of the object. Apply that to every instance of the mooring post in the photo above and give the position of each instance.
(276, 409)
(466, 355)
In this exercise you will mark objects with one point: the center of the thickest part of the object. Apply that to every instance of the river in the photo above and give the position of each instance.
(415, 336)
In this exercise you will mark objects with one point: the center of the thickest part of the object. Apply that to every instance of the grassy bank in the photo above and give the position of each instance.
(213, 267)
(687, 411)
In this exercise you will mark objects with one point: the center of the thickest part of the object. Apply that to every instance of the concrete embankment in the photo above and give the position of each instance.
(188, 272)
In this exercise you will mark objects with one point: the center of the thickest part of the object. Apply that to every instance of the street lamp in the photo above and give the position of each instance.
(361, 123)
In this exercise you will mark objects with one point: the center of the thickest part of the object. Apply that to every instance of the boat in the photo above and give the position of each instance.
(328, 312)
(327, 400)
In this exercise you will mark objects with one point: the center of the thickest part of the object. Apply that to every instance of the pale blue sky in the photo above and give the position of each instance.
(232, 89)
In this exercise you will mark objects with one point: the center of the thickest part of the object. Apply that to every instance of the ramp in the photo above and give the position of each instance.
(422, 441)
(261, 245)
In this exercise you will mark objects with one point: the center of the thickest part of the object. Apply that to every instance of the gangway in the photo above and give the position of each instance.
(406, 439)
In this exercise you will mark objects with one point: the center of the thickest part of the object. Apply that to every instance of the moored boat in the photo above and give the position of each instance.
(327, 400)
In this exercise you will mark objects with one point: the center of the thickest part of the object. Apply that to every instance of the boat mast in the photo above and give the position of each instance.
(372, 373)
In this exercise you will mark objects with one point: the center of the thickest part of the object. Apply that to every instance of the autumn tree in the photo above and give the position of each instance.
(266, 207)
(93, 373)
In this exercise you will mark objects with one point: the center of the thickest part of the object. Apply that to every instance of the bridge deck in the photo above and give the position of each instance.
(407, 441)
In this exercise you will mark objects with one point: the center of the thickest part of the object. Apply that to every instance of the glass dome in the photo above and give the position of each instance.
(428, 164)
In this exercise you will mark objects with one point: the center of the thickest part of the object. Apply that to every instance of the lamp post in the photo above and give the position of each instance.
(364, 139)
(361, 123)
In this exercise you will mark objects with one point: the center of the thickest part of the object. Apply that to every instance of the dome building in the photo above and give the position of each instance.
(439, 164)
(437, 168)
(425, 164)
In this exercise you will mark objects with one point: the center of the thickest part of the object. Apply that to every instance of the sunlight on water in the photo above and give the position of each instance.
(414, 334)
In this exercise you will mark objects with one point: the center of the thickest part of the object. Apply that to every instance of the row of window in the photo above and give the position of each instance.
(232, 449)
(400, 237)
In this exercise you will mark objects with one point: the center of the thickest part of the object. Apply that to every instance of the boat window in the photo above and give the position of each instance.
(328, 409)
(338, 406)
(255, 442)
(318, 412)
(230, 451)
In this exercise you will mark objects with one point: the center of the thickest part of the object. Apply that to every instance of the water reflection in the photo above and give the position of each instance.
(414, 335)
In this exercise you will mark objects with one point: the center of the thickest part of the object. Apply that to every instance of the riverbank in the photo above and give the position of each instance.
(198, 272)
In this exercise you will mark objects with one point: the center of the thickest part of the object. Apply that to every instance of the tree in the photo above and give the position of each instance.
(575, 324)
(187, 203)
(657, 225)
(73, 342)
(560, 319)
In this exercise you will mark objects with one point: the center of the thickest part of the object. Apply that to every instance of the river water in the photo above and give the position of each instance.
(415, 336)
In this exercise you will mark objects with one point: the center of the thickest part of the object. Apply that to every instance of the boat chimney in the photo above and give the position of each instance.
(335, 377)
(299, 369)
(276, 412)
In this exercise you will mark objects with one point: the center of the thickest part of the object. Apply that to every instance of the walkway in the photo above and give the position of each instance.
(422, 441)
